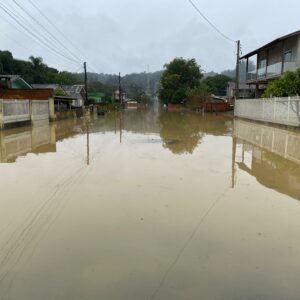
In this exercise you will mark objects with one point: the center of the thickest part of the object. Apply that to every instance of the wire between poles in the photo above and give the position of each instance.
(210, 23)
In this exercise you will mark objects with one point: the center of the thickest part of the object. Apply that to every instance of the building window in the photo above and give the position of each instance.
(288, 56)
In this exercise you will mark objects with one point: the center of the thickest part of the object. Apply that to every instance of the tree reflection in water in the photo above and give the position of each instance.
(181, 133)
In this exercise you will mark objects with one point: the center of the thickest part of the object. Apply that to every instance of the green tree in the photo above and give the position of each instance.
(217, 84)
(198, 95)
(287, 85)
(179, 75)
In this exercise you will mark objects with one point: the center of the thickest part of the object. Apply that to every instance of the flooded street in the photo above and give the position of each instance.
(150, 205)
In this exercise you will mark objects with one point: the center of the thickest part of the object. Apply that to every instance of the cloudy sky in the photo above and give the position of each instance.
(128, 35)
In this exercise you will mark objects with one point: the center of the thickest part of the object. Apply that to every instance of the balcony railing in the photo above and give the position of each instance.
(264, 73)
(274, 70)
(290, 66)
(261, 72)
(252, 75)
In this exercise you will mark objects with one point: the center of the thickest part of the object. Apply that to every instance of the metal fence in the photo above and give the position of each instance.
(285, 111)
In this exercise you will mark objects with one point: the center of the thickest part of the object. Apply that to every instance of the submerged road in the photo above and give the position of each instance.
(150, 205)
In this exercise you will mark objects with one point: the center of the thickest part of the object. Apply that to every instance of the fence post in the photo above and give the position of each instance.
(289, 107)
(274, 109)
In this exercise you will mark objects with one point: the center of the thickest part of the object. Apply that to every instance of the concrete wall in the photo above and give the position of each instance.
(284, 111)
(16, 111)
(39, 110)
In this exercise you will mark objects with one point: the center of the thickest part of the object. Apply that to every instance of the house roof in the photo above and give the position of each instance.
(280, 39)
(74, 90)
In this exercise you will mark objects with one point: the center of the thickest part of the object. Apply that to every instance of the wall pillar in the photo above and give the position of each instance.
(52, 114)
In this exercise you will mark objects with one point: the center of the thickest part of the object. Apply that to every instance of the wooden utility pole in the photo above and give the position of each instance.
(85, 85)
(120, 90)
(237, 74)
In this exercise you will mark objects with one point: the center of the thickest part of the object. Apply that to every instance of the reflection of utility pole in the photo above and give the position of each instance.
(87, 143)
(233, 175)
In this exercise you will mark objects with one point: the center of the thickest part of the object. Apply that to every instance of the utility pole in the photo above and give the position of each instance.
(120, 90)
(85, 85)
(237, 75)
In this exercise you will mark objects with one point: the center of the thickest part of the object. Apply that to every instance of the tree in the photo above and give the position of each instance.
(197, 96)
(217, 84)
(287, 85)
(179, 75)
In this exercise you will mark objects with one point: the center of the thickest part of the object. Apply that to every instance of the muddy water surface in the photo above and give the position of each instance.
(150, 205)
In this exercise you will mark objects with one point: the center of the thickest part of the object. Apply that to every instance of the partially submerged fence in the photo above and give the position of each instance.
(285, 111)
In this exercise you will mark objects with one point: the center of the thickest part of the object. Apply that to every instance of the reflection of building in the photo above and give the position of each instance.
(269, 154)
(19, 142)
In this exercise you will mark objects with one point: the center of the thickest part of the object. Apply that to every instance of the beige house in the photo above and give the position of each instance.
(272, 60)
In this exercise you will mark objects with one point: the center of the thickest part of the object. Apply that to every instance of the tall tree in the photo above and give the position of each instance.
(217, 84)
(179, 76)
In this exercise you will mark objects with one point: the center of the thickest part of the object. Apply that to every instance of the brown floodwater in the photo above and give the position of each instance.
(150, 205)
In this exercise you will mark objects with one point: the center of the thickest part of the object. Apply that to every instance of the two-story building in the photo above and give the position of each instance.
(272, 60)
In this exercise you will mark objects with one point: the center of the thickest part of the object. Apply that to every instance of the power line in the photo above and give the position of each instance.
(67, 39)
(48, 31)
(56, 28)
(32, 34)
(50, 41)
(17, 42)
(210, 23)
(18, 15)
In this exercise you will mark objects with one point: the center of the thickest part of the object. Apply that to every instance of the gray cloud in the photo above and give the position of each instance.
(128, 35)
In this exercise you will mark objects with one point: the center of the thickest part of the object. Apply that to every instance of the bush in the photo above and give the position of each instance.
(287, 85)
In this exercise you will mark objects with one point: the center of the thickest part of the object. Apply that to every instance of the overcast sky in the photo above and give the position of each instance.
(128, 35)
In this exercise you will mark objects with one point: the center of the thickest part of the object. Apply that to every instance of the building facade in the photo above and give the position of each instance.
(272, 60)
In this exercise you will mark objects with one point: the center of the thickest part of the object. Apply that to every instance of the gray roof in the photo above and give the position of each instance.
(282, 38)
(74, 90)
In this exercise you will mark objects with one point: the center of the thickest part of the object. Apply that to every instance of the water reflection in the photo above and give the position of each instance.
(150, 220)
(180, 133)
(19, 142)
(270, 154)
